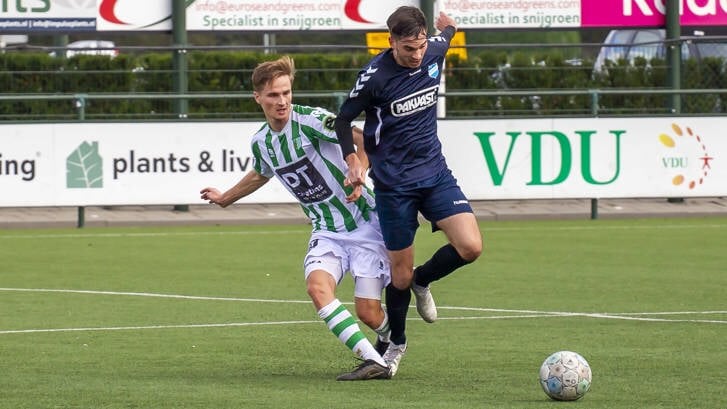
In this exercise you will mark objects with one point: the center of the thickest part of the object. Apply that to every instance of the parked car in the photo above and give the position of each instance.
(704, 57)
(12, 41)
(629, 44)
(90, 47)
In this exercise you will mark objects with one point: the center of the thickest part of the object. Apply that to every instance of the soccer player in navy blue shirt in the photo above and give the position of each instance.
(397, 91)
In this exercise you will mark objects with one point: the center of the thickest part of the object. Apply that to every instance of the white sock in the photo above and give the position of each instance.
(383, 330)
(344, 326)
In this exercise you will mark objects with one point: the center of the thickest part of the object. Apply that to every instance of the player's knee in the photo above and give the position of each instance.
(402, 281)
(470, 251)
(317, 291)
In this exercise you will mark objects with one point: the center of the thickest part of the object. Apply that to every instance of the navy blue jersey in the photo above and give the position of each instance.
(400, 131)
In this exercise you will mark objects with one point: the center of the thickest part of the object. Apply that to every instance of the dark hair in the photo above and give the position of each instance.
(271, 70)
(407, 21)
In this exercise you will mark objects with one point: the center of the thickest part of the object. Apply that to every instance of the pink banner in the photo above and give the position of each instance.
(651, 13)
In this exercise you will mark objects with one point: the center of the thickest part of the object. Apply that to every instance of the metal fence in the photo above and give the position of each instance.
(498, 80)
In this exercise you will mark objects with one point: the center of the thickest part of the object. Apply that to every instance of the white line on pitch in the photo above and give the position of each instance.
(231, 324)
(137, 294)
(250, 324)
(578, 314)
(151, 234)
(613, 315)
(563, 313)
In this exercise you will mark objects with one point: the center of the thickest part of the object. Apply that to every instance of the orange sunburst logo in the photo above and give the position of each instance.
(687, 156)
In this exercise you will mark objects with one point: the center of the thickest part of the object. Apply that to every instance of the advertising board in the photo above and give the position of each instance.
(85, 164)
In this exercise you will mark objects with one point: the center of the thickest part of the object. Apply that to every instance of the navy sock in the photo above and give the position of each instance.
(397, 305)
(444, 261)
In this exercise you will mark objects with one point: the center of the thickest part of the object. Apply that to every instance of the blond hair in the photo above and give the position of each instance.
(268, 71)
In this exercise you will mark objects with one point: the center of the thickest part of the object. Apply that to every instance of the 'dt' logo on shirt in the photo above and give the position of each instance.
(304, 180)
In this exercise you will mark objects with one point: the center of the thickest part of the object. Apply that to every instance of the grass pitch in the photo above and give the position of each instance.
(218, 317)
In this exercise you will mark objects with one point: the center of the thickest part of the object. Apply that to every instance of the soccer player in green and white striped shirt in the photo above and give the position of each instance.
(298, 145)
(303, 156)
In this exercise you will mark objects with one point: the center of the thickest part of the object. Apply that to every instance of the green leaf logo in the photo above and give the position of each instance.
(84, 167)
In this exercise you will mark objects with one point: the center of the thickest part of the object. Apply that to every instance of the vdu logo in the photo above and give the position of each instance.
(686, 156)
(84, 167)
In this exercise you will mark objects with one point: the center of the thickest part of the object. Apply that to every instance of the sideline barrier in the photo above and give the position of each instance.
(105, 164)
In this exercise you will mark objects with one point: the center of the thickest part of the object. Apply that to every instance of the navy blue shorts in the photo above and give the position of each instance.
(436, 198)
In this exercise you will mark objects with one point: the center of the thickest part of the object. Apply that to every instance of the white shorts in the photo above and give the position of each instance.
(361, 253)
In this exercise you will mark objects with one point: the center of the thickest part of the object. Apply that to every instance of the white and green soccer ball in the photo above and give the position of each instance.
(565, 375)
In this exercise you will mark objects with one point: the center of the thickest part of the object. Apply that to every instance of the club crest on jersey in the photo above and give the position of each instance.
(433, 70)
(415, 102)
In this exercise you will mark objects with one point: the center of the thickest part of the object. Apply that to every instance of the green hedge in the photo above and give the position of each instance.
(228, 72)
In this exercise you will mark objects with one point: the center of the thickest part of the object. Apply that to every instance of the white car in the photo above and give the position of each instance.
(648, 43)
(90, 47)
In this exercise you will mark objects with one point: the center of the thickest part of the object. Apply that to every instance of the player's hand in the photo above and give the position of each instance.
(443, 20)
(355, 194)
(355, 178)
(211, 195)
(356, 173)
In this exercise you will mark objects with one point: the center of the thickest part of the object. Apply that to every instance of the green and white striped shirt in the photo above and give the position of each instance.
(306, 157)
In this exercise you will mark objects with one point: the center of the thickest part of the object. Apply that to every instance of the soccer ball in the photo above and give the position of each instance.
(565, 375)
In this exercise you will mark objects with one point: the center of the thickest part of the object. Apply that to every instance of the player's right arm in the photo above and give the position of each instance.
(358, 140)
(357, 101)
(363, 163)
(356, 171)
(251, 182)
